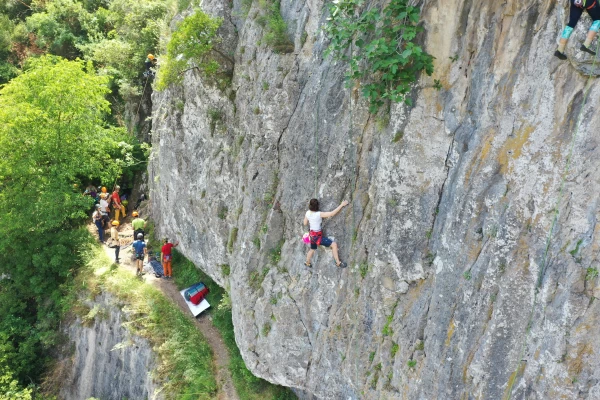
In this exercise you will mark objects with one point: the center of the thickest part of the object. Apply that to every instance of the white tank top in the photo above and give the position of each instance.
(314, 220)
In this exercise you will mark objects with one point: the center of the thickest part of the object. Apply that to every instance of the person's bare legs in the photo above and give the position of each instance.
(589, 38)
(311, 252)
(562, 43)
(334, 249)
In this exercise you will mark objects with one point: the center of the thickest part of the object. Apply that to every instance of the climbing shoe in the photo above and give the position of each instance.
(560, 55)
(309, 265)
(341, 265)
(587, 50)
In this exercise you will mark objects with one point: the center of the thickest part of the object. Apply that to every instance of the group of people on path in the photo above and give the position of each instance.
(103, 205)
(101, 218)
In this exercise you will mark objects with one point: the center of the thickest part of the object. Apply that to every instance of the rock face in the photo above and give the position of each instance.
(107, 361)
(459, 285)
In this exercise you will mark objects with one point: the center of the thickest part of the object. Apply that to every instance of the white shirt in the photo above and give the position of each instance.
(96, 215)
(314, 220)
(103, 205)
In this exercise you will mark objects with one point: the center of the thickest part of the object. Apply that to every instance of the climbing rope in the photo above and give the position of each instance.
(540, 277)
(317, 143)
(137, 113)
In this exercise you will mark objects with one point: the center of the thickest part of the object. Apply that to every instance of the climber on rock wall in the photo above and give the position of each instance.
(314, 219)
(577, 6)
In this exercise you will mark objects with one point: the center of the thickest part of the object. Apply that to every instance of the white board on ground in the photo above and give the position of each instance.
(195, 309)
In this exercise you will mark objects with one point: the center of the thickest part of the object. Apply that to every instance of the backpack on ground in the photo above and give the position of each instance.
(196, 293)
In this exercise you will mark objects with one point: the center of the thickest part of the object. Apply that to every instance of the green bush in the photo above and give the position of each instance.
(385, 58)
(191, 45)
(276, 35)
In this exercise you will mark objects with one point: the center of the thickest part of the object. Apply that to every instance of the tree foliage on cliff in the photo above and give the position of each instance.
(54, 139)
(191, 46)
(383, 54)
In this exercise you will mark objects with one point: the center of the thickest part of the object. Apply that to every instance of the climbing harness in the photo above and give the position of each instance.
(315, 237)
(538, 284)
(582, 4)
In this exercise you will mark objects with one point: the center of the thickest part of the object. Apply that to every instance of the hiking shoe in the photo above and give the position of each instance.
(587, 50)
(341, 265)
(561, 56)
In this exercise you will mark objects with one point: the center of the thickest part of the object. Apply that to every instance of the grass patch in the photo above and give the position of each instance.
(592, 273)
(363, 269)
(184, 356)
(275, 252)
(248, 386)
(232, 239)
(398, 136)
(226, 269)
(276, 36)
(256, 278)
(394, 350)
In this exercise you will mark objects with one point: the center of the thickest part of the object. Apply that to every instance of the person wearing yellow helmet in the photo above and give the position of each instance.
(104, 209)
(114, 241)
(150, 63)
(138, 224)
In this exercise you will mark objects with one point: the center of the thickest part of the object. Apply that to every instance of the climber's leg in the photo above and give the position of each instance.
(309, 256)
(334, 250)
(595, 13)
(574, 15)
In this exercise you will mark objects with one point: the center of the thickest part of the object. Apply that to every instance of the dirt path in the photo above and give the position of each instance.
(203, 322)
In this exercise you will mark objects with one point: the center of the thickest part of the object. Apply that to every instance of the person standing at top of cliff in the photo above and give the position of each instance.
(577, 6)
(116, 201)
(314, 219)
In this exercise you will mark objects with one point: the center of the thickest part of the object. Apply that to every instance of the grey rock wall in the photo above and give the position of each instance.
(107, 362)
(451, 207)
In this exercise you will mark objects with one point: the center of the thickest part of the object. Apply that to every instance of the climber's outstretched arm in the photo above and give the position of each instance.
(334, 212)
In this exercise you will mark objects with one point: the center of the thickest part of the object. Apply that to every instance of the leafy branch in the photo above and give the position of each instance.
(383, 53)
(191, 43)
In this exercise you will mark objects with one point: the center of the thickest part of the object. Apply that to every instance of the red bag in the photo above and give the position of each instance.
(197, 297)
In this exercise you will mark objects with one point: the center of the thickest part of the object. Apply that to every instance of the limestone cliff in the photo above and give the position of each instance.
(105, 361)
(452, 204)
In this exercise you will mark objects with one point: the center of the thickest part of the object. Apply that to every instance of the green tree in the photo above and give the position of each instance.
(384, 55)
(9, 386)
(54, 139)
(191, 46)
